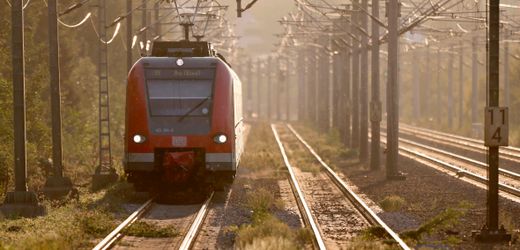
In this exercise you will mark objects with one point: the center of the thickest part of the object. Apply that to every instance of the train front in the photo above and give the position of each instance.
(179, 121)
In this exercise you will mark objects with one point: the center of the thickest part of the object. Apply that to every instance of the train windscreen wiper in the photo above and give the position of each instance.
(193, 109)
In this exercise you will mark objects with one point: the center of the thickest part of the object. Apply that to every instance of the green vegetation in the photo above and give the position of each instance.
(441, 224)
(262, 160)
(327, 145)
(70, 224)
(261, 201)
(261, 154)
(444, 221)
(75, 223)
(266, 230)
(150, 230)
(79, 86)
(305, 162)
(392, 203)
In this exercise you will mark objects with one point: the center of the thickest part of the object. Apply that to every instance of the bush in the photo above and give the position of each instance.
(150, 230)
(269, 231)
(392, 203)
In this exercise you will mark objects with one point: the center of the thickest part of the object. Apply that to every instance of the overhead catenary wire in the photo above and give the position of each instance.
(116, 31)
(85, 19)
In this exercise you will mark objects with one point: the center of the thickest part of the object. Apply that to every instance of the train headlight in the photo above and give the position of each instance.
(139, 139)
(180, 62)
(220, 139)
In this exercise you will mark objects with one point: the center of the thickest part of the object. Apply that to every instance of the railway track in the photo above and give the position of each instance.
(188, 239)
(460, 165)
(465, 143)
(309, 219)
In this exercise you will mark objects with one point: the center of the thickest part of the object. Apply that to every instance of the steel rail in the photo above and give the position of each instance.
(115, 235)
(458, 170)
(298, 195)
(473, 162)
(195, 227)
(361, 206)
(470, 142)
(465, 145)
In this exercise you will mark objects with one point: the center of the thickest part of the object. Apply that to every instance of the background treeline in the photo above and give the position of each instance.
(79, 86)
(434, 94)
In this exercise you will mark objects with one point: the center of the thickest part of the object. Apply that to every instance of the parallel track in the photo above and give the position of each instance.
(358, 203)
(189, 239)
(508, 153)
(410, 152)
(298, 194)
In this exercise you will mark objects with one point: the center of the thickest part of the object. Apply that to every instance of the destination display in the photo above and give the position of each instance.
(208, 73)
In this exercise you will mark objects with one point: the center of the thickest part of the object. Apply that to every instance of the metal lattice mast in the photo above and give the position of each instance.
(105, 153)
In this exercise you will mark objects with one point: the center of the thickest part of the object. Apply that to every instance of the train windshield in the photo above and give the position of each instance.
(182, 98)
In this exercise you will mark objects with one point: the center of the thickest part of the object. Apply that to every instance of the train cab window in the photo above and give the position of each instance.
(180, 101)
(182, 98)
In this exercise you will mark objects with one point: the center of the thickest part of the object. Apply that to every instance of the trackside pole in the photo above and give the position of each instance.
(355, 76)
(375, 102)
(363, 87)
(461, 85)
(259, 84)
(56, 185)
(129, 56)
(392, 94)
(249, 88)
(269, 69)
(496, 131)
(347, 93)
(20, 202)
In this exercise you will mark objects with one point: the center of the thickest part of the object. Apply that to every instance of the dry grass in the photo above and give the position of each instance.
(392, 203)
(265, 231)
(150, 230)
(327, 145)
(261, 155)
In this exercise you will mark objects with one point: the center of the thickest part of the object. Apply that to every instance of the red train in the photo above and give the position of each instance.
(184, 123)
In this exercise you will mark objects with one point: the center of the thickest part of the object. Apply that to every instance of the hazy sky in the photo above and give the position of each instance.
(258, 25)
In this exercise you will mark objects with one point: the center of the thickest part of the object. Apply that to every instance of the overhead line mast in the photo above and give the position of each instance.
(21, 201)
(104, 173)
(56, 185)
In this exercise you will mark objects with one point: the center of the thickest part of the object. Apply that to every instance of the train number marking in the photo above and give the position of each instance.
(496, 131)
